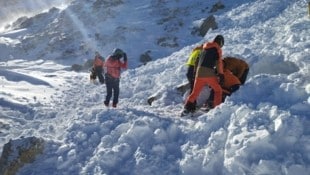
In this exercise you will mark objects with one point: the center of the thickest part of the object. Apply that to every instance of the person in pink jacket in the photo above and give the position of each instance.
(113, 66)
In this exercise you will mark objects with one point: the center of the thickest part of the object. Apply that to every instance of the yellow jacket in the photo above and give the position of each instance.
(193, 57)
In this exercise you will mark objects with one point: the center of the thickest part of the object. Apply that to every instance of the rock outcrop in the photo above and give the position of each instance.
(18, 152)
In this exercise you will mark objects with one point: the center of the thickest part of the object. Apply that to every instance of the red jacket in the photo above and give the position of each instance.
(114, 66)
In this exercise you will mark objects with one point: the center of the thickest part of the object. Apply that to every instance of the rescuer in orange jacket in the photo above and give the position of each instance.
(209, 72)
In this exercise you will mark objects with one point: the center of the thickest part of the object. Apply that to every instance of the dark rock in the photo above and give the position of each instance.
(18, 152)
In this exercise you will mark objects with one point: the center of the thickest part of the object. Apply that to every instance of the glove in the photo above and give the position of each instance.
(125, 57)
(221, 79)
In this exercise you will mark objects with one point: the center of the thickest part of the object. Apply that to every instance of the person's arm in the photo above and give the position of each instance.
(219, 67)
(219, 62)
(124, 64)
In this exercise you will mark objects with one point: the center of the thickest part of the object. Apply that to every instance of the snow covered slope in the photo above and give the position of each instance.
(261, 129)
(73, 34)
(13, 9)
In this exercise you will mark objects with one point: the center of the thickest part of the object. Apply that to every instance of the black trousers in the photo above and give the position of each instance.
(190, 74)
(112, 85)
(98, 71)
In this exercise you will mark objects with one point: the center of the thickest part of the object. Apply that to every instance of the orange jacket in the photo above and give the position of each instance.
(230, 79)
(236, 66)
(98, 62)
(114, 66)
(211, 58)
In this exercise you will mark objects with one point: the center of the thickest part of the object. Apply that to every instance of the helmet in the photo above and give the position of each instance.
(117, 52)
(219, 39)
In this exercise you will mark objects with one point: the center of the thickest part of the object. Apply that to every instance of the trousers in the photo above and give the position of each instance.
(198, 86)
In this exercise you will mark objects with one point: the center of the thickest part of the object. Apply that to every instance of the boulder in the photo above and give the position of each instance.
(145, 57)
(207, 24)
(18, 152)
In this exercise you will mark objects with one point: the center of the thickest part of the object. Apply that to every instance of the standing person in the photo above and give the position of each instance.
(191, 70)
(98, 68)
(238, 67)
(113, 71)
(209, 72)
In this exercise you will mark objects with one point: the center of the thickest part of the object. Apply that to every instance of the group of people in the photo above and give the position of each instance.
(108, 72)
(207, 68)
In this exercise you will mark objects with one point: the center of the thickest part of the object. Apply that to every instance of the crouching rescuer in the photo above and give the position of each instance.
(209, 72)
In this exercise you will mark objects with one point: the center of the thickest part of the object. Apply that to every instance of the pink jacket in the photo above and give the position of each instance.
(114, 66)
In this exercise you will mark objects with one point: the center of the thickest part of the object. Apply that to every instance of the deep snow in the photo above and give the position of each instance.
(261, 129)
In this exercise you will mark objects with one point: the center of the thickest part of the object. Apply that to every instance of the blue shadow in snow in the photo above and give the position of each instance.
(16, 77)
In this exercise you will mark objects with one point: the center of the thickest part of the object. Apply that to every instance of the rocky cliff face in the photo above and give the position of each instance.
(13, 9)
(84, 27)
(17, 153)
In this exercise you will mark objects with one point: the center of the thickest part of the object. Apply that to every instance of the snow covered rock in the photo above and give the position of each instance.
(18, 152)
(207, 24)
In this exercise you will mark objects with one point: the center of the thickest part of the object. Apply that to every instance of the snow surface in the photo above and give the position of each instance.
(261, 129)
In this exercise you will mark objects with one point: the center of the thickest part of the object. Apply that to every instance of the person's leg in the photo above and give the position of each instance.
(213, 83)
(99, 74)
(190, 104)
(190, 77)
(93, 75)
(109, 85)
(198, 85)
(115, 92)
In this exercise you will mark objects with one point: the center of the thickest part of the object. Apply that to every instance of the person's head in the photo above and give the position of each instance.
(97, 53)
(219, 39)
(117, 53)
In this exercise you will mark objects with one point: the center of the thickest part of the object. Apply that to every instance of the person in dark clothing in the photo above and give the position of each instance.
(113, 67)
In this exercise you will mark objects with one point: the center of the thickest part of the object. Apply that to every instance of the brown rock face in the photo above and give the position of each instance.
(18, 152)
